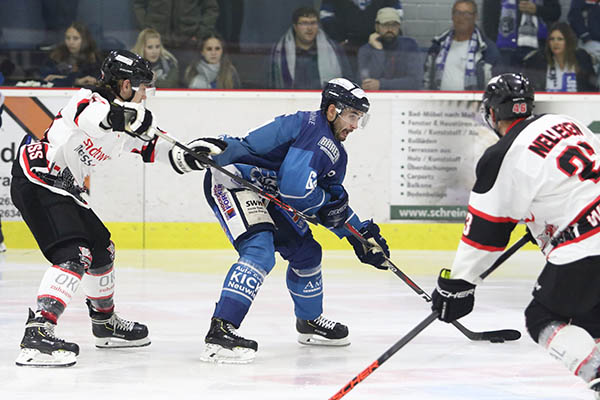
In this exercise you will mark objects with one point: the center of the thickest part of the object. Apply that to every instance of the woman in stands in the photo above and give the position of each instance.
(75, 61)
(560, 66)
(164, 63)
(214, 70)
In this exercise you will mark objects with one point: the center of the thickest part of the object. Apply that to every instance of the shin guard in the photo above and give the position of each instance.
(306, 288)
(573, 346)
(58, 286)
(239, 290)
(99, 287)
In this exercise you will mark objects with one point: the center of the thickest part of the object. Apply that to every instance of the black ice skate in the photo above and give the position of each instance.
(224, 345)
(112, 331)
(40, 348)
(322, 332)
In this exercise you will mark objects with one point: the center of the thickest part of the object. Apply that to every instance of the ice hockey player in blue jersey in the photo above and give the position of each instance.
(299, 157)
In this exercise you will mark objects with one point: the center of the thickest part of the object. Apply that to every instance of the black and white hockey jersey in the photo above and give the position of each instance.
(79, 140)
(544, 171)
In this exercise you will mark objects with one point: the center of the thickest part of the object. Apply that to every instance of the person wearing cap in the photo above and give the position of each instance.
(461, 58)
(389, 61)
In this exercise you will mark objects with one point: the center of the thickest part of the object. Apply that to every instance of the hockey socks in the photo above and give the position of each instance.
(58, 286)
(575, 348)
(241, 285)
(99, 288)
(306, 288)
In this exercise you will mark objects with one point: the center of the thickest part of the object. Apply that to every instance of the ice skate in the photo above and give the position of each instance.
(322, 332)
(41, 348)
(224, 345)
(2, 247)
(112, 331)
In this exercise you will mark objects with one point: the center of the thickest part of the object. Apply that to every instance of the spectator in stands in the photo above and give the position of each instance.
(304, 57)
(214, 69)
(181, 23)
(2, 245)
(460, 58)
(519, 27)
(584, 17)
(350, 22)
(389, 61)
(164, 64)
(75, 61)
(560, 67)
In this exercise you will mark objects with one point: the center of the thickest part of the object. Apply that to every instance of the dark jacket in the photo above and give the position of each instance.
(397, 67)
(549, 12)
(343, 20)
(181, 23)
(51, 67)
(536, 66)
(585, 28)
(486, 57)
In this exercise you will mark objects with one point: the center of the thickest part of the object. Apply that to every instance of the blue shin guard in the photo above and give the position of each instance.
(245, 277)
(306, 288)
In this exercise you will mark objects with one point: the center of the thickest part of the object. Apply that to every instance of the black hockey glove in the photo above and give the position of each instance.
(377, 253)
(183, 162)
(335, 213)
(452, 298)
(131, 118)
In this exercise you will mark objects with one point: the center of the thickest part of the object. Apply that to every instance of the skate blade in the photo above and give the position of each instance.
(35, 358)
(318, 340)
(116, 343)
(214, 353)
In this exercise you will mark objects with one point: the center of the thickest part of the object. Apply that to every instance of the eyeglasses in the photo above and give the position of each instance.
(306, 24)
(390, 25)
(459, 13)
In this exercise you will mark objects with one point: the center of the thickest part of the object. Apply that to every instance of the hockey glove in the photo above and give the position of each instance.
(131, 118)
(335, 213)
(183, 162)
(378, 253)
(452, 298)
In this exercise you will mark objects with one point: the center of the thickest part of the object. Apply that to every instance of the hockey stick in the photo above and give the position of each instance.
(498, 336)
(237, 179)
(494, 336)
(420, 327)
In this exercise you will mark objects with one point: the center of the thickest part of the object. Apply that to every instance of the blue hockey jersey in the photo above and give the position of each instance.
(297, 151)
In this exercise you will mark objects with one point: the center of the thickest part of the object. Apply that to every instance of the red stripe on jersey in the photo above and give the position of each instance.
(41, 296)
(481, 246)
(83, 104)
(68, 271)
(491, 218)
(516, 121)
(28, 168)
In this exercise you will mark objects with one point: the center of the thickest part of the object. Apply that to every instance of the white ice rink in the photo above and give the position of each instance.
(174, 292)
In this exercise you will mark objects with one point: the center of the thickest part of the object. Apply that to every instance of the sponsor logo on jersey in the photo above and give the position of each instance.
(224, 201)
(88, 153)
(545, 142)
(329, 148)
(312, 118)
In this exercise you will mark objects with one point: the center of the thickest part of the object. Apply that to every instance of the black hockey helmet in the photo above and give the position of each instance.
(343, 93)
(510, 95)
(123, 64)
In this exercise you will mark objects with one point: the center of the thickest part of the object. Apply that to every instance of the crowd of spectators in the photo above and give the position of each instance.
(196, 44)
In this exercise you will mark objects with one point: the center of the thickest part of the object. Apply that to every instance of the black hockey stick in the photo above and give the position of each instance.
(492, 336)
(238, 179)
(420, 327)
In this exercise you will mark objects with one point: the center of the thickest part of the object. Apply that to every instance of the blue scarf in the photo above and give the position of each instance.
(470, 72)
(523, 33)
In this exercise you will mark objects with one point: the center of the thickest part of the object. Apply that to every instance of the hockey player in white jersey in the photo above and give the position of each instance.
(49, 189)
(544, 171)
